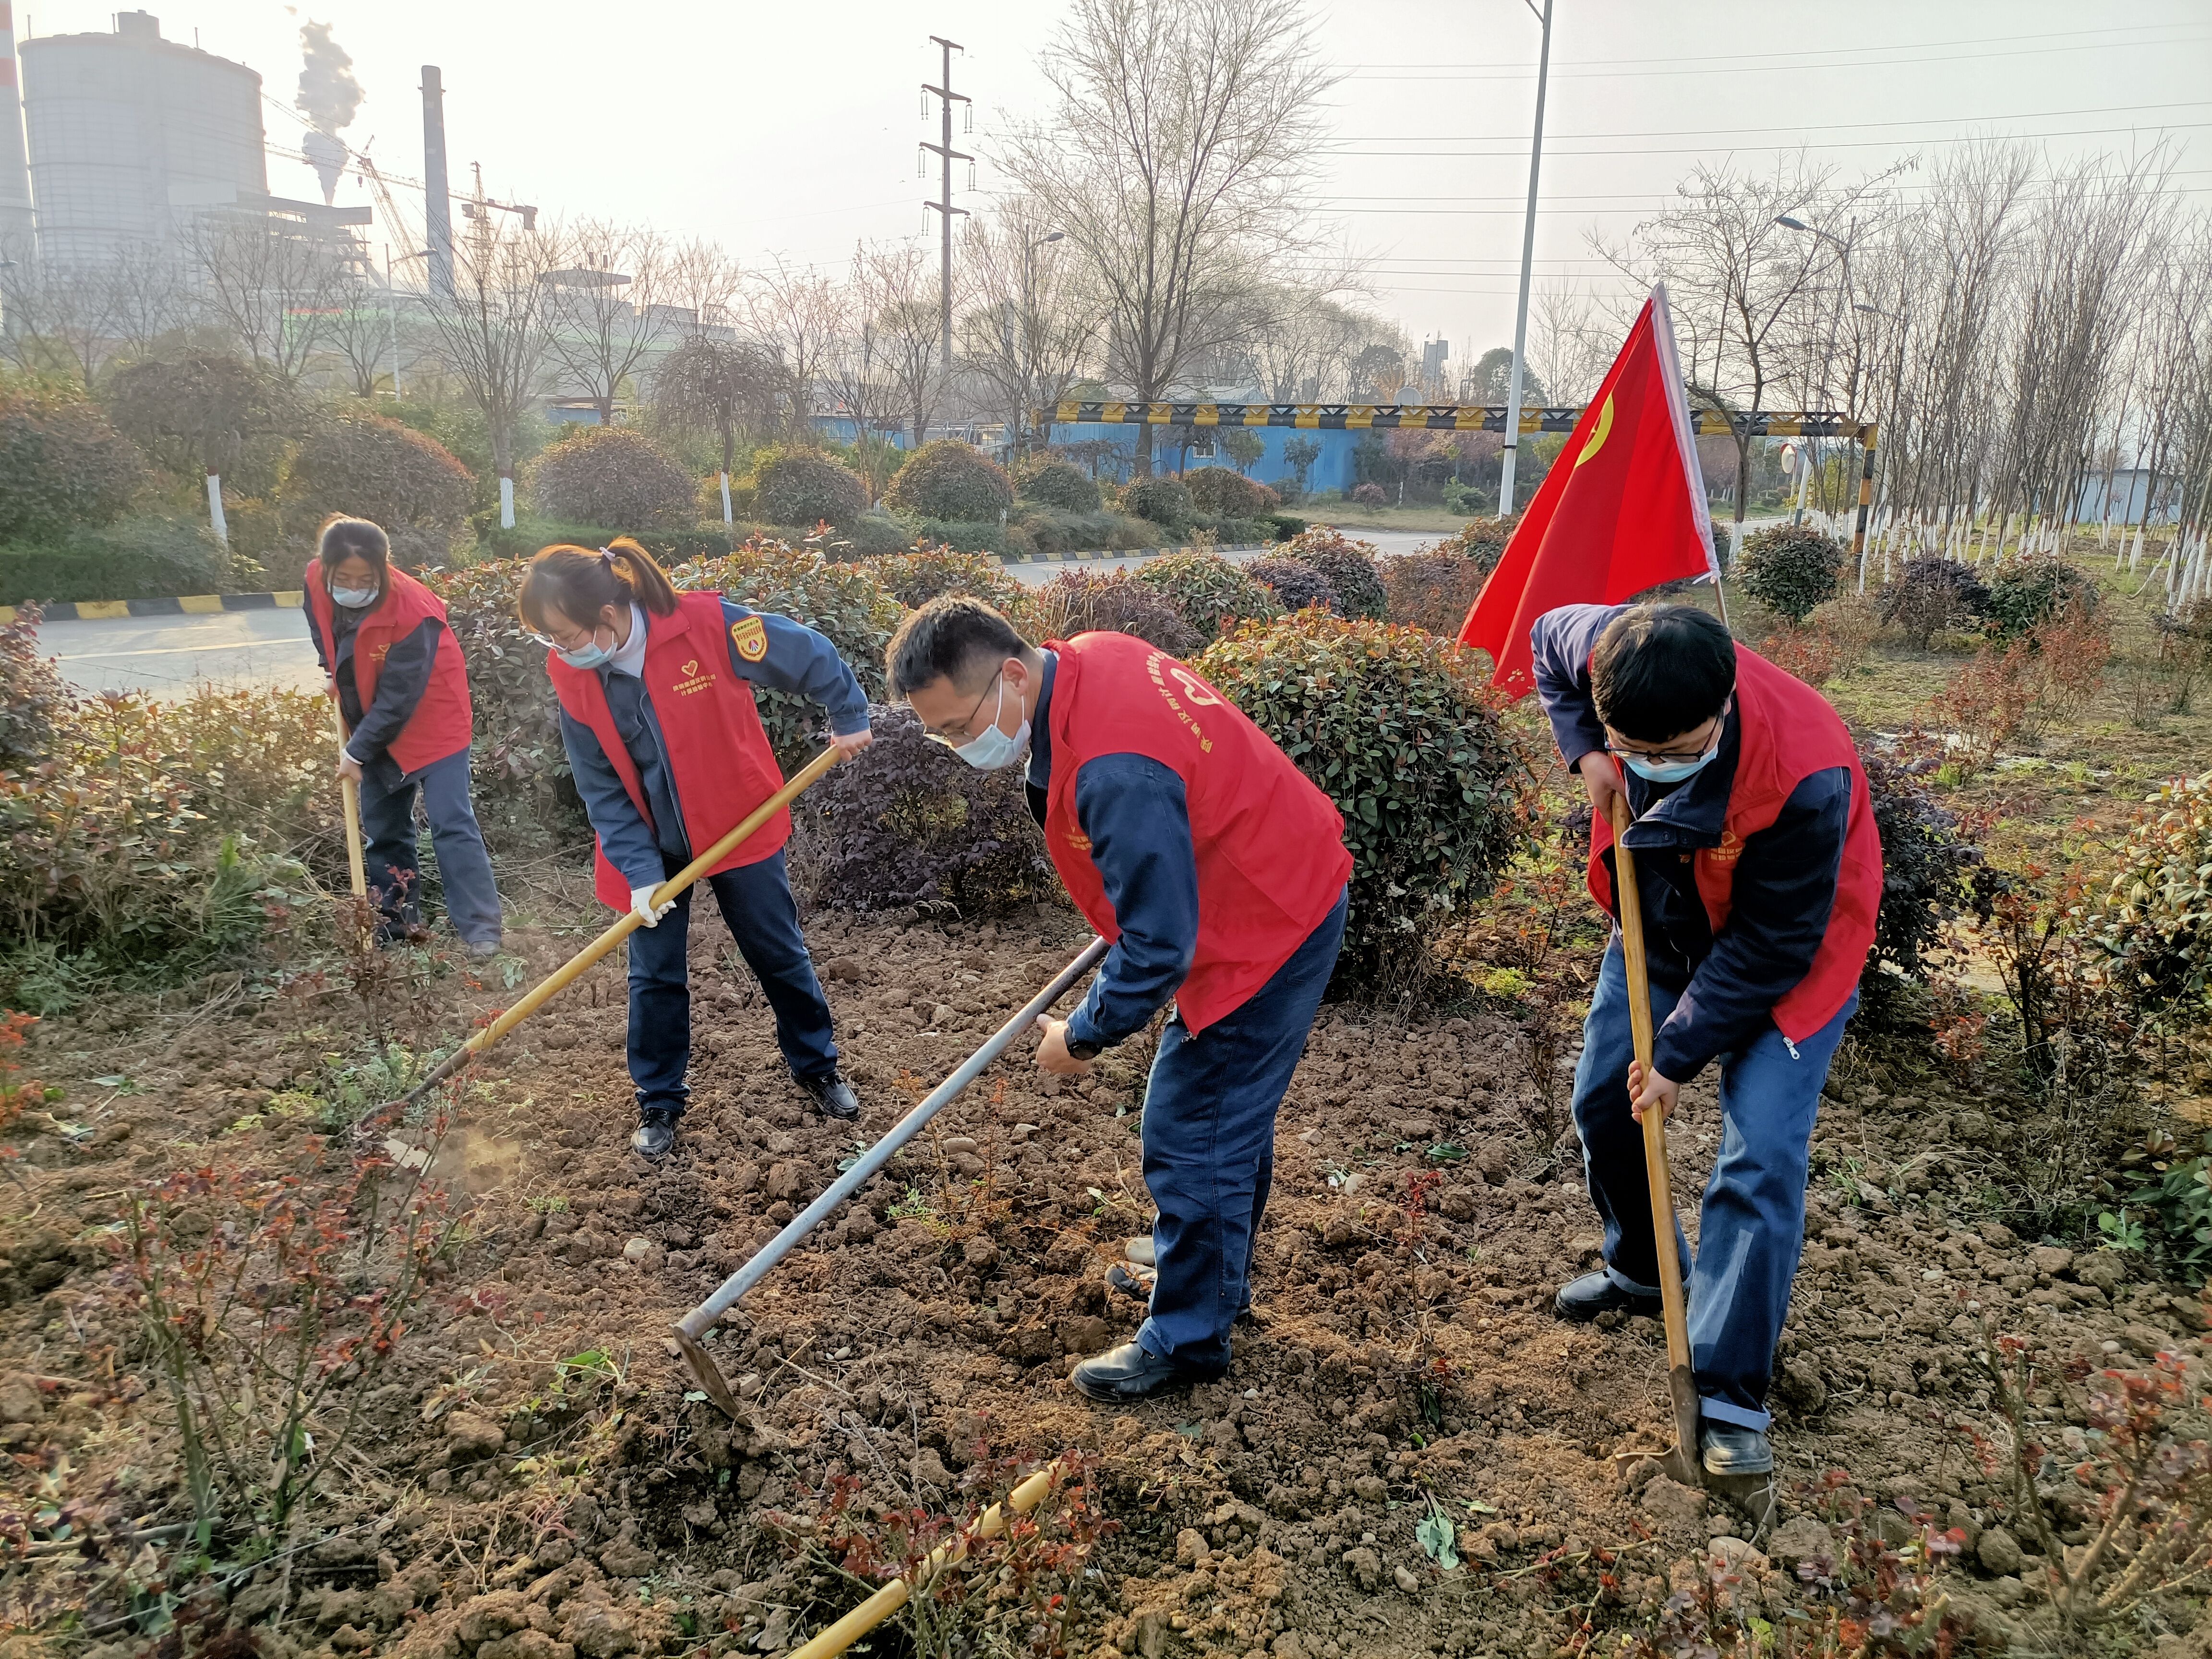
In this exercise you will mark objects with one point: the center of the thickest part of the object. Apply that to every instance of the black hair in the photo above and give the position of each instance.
(580, 582)
(1662, 670)
(949, 638)
(343, 539)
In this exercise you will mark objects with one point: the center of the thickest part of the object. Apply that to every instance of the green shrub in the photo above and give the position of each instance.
(1285, 526)
(62, 466)
(1164, 500)
(870, 536)
(367, 467)
(1295, 583)
(1051, 482)
(953, 482)
(844, 602)
(915, 579)
(2028, 593)
(1113, 601)
(906, 825)
(145, 558)
(804, 487)
(980, 536)
(32, 695)
(205, 412)
(1932, 593)
(1230, 495)
(2153, 922)
(157, 838)
(526, 535)
(1053, 531)
(1349, 566)
(1210, 592)
(1395, 726)
(612, 475)
(1480, 542)
(1928, 869)
(1431, 591)
(1790, 569)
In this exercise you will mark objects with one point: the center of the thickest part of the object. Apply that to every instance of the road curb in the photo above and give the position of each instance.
(196, 604)
(190, 604)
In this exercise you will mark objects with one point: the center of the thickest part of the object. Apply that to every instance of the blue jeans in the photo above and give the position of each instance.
(395, 874)
(763, 918)
(1210, 1149)
(1751, 1226)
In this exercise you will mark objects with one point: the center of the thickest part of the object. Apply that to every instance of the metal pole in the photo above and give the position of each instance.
(944, 195)
(392, 319)
(1528, 260)
(437, 204)
(688, 1329)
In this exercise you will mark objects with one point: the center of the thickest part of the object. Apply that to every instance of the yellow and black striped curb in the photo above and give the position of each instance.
(191, 604)
(200, 605)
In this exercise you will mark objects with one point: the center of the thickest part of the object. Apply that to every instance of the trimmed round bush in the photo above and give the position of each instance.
(368, 467)
(1370, 495)
(915, 579)
(1229, 494)
(804, 487)
(1050, 481)
(1480, 542)
(1350, 567)
(613, 476)
(1433, 591)
(62, 466)
(2028, 593)
(1208, 591)
(1297, 584)
(1791, 568)
(1396, 726)
(1086, 602)
(1163, 502)
(1932, 593)
(953, 482)
(205, 412)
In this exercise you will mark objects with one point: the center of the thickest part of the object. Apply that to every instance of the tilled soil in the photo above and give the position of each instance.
(1403, 1357)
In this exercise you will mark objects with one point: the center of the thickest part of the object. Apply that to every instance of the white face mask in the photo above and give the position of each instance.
(353, 599)
(992, 749)
(590, 654)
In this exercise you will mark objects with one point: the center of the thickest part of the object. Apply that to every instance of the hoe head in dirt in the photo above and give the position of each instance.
(569, 971)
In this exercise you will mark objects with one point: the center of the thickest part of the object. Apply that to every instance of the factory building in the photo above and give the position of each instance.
(14, 168)
(132, 136)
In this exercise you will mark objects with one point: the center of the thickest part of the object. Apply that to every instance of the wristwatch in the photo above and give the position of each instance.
(1078, 1049)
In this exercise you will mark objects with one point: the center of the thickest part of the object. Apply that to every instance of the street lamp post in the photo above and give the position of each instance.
(1904, 321)
(1528, 260)
(1029, 332)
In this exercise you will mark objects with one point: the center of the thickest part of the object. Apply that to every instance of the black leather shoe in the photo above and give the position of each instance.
(1132, 1371)
(1586, 1297)
(656, 1132)
(833, 1095)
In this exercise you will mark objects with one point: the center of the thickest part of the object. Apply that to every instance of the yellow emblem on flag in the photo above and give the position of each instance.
(1600, 432)
(750, 636)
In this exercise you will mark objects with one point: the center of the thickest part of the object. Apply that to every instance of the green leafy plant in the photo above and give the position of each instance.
(2151, 922)
(1395, 725)
(1229, 494)
(1349, 566)
(614, 476)
(1164, 500)
(1052, 481)
(2026, 593)
(2179, 1202)
(804, 487)
(1210, 592)
(1296, 584)
(62, 465)
(951, 481)
(1791, 568)
(367, 467)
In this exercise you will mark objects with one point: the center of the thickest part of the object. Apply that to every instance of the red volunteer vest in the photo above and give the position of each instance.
(719, 758)
(1270, 846)
(442, 722)
(1786, 731)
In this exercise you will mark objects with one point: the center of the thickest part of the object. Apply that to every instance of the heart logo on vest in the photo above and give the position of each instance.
(691, 668)
(1729, 850)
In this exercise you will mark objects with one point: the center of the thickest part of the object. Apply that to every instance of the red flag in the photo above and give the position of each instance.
(1622, 509)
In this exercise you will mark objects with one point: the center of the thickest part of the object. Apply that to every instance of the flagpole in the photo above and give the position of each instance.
(1527, 257)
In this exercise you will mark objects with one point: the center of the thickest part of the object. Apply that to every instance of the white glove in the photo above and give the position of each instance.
(649, 913)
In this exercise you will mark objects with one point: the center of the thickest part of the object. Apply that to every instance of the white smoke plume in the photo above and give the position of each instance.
(329, 94)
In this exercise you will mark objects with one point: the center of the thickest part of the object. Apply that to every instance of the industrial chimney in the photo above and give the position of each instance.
(437, 205)
(15, 221)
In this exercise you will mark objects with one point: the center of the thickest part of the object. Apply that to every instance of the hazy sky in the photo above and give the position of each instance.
(791, 128)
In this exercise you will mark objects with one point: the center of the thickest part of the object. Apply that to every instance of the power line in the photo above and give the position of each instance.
(1829, 126)
(1707, 149)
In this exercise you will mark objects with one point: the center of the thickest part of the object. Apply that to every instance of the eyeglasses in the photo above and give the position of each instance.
(1664, 756)
(965, 732)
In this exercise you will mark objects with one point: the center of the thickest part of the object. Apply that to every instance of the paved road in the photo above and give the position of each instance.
(169, 655)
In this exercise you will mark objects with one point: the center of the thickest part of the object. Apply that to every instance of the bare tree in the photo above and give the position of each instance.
(699, 279)
(493, 331)
(731, 387)
(268, 283)
(799, 315)
(895, 285)
(610, 311)
(1031, 321)
(856, 377)
(146, 297)
(1174, 160)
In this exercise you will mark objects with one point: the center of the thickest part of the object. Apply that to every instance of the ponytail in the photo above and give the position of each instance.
(580, 583)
